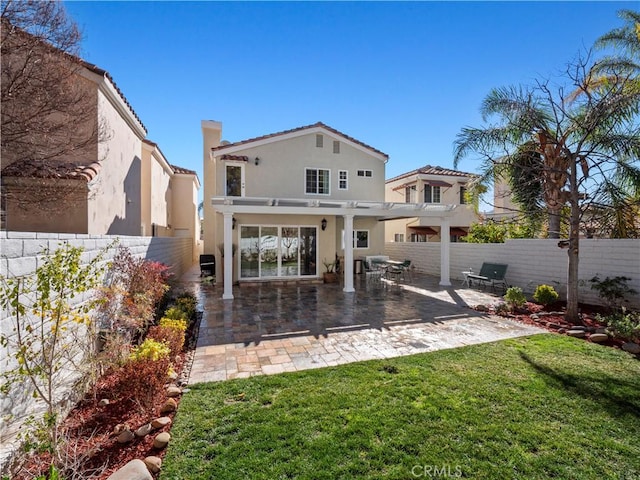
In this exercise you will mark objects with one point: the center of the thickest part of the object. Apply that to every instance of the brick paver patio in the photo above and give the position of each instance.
(271, 329)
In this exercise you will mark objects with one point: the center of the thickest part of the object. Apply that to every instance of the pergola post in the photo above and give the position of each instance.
(228, 257)
(348, 254)
(445, 238)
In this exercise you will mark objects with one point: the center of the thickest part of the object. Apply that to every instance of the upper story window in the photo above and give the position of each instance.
(463, 194)
(365, 173)
(317, 181)
(319, 140)
(410, 194)
(343, 180)
(336, 146)
(431, 194)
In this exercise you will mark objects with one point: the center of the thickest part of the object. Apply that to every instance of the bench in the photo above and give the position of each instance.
(490, 274)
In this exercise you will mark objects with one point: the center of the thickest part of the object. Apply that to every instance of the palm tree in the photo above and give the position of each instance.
(558, 152)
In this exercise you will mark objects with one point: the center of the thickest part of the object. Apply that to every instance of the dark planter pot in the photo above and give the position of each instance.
(330, 277)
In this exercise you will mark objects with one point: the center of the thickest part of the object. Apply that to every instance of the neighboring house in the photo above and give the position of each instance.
(115, 183)
(431, 186)
(503, 205)
(279, 206)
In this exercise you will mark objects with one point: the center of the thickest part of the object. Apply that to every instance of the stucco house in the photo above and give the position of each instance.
(279, 206)
(431, 185)
(112, 180)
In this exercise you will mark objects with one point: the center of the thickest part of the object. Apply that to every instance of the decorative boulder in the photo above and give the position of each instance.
(161, 422)
(144, 430)
(169, 406)
(631, 347)
(134, 470)
(153, 463)
(126, 436)
(599, 337)
(173, 391)
(161, 440)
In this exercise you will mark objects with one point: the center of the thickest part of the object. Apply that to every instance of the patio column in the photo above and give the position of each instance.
(348, 254)
(444, 251)
(228, 257)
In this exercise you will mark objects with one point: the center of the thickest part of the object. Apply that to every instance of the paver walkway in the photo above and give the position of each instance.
(271, 329)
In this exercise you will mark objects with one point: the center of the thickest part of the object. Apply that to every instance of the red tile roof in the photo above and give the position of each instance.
(429, 170)
(299, 129)
(184, 171)
(240, 158)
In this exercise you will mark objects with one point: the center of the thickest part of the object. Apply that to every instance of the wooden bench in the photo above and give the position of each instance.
(490, 274)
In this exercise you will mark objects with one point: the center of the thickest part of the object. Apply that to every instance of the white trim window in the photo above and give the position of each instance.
(398, 237)
(343, 180)
(361, 239)
(432, 194)
(317, 181)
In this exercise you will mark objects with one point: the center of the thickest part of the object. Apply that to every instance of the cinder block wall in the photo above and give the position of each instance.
(533, 262)
(20, 254)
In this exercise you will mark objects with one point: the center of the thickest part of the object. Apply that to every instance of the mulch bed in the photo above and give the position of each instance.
(90, 426)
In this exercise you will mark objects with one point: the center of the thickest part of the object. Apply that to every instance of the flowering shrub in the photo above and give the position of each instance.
(172, 337)
(514, 297)
(150, 349)
(135, 287)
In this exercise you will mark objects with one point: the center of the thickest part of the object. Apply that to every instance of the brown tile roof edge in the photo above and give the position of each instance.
(299, 129)
(184, 171)
(429, 170)
(55, 170)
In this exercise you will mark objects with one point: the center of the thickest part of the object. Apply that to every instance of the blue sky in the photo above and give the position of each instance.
(401, 77)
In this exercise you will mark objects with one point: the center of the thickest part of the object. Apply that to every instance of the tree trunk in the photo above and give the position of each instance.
(571, 314)
(554, 223)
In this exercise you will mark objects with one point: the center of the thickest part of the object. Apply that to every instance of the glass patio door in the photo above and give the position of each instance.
(276, 252)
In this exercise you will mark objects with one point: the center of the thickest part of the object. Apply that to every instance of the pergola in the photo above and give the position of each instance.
(228, 206)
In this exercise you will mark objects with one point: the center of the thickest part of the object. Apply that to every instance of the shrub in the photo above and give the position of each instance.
(514, 297)
(172, 337)
(176, 324)
(187, 303)
(143, 379)
(612, 290)
(150, 349)
(545, 294)
(623, 324)
(501, 308)
(175, 313)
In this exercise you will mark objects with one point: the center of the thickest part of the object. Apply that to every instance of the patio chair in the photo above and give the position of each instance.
(373, 272)
(406, 266)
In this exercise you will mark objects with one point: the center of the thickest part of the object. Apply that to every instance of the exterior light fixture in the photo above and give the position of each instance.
(233, 223)
(257, 161)
(323, 224)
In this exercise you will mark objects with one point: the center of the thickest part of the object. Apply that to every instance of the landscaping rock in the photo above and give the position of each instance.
(118, 429)
(161, 440)
(562, 330)
(553, 325)
(126, 436)
(144, 430)
(134, 470)
(482, 308)
(161, 422)
(169, 406)
(173, 391)
(577, 333)
(601, 330)
(631, 347)
(153, 463)
(579, 327)
(173, 375)
(104, 402)
(599, 337)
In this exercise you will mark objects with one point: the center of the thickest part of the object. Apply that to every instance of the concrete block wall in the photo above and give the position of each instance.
(533, 262)
(20, 254)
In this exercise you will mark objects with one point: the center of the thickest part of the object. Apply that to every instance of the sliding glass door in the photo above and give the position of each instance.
(277, 251)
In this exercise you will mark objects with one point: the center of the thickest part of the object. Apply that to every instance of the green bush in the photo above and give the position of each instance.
(175, 313)
(514, 297)
(545, 295)
(623, 324)
(173, 323)
(187, 303)
(150, 350)
(612, 290)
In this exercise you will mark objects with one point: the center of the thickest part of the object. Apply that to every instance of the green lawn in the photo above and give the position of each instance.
(542, 407)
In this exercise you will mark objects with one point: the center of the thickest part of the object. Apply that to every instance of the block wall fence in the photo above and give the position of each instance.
(20, 254)
(533, 262)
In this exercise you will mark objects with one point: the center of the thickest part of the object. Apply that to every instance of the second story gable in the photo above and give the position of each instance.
(429, 184)
(314, 162)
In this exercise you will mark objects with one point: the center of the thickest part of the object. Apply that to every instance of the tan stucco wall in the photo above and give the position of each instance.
(463, 215)
(211, 136)
(281, 170)
(184, 190)
(115, 205)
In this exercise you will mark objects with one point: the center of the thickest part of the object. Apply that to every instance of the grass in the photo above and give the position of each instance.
(541, 407)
